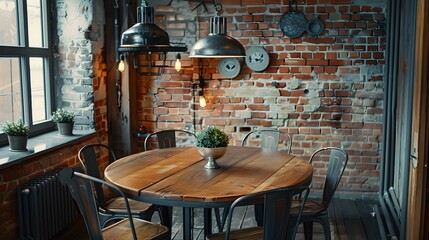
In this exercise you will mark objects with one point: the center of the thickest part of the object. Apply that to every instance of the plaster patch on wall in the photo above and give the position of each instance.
(293, 84)
(80, 13)
(372, 70)
(312, 105)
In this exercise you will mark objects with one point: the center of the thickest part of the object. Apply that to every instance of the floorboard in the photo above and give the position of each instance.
(350, 219)
(366, 210)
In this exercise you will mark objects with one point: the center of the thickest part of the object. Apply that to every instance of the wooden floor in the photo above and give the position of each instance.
(350, 219)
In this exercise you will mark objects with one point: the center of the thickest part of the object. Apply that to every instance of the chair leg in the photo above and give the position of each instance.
(308, 230)
(259, 214)
(324, 220)
(166, 217)
(291, 230)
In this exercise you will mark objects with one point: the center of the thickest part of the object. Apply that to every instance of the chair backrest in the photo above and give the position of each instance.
(277, 204)
(88, 158)
(169, 138)
(80, 188)
(268, 138)
(337, 163)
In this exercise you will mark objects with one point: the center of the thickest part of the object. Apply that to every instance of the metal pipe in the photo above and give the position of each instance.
(386, 215)
(380, 223)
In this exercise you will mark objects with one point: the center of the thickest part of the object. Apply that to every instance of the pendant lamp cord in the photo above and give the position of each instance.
(195, 85)
(200, 76)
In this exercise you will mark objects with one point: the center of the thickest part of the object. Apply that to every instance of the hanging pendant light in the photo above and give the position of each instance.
(146, 36)
(217, 44)
(145, 32)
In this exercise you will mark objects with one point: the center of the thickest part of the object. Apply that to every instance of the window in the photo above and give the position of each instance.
(25, 63)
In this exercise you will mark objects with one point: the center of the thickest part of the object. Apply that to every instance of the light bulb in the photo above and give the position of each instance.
(178, 64)
(121, 65)
(202, 101)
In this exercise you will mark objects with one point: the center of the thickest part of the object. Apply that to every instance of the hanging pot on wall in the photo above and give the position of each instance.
(293, 23)
(315, 27)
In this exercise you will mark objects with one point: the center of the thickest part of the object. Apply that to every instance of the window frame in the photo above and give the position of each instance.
(24, 52)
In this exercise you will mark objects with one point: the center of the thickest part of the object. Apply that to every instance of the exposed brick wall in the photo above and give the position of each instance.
(81, 86)
(80, 62)
(325, 90)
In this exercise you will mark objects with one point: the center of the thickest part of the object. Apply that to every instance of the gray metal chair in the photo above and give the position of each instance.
(114, 208)
(268, 138)
(316, 211)
(80, 187)
(169, 138)
(277, 222)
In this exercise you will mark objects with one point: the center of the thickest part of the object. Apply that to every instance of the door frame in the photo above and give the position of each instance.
(417, 213)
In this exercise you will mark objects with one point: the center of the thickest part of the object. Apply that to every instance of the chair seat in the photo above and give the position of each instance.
(144, 230)
(311, 207)
(254, 233)
(118, 205)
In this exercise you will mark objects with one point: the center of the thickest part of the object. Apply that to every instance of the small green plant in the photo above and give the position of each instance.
(17, 128)
(212, 137)
(62, 116)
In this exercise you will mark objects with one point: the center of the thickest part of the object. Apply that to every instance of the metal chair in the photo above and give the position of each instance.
(113, 208)
(268, 138)
(169, 138)
(277, 222)
(81, 190)
(316, 211)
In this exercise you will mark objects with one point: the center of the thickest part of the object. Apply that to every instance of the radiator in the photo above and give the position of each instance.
(45, 207)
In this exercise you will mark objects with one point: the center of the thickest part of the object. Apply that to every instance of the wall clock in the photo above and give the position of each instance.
(229, 67)
(257, 59)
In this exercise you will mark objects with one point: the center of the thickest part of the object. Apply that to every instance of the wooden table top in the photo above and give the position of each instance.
(178, 174)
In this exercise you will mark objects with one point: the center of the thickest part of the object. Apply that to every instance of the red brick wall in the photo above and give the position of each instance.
(329, 88)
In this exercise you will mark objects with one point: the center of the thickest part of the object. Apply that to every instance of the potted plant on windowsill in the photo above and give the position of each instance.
(17, 135)
(212, 143)
(65, 121)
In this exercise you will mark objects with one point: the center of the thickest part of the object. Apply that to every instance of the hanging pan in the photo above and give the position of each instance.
(293, 23)
(315, 27)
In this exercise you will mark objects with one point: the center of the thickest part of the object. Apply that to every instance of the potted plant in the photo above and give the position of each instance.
(212, 143)
(17, 135)
(65, 121)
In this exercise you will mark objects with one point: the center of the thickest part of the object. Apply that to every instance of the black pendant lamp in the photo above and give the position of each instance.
(217, 44)
(145, 35)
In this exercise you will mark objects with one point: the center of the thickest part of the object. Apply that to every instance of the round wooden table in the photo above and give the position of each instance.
(177, 177)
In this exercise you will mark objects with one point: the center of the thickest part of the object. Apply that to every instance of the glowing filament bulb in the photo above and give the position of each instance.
(178, 64)
(203, 102)
(121, 65)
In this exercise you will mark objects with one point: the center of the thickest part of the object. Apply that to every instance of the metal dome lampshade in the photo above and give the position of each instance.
(145, 32)
(217, 44)
(146, 36)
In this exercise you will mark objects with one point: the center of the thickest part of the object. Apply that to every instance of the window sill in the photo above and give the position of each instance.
(40, 145)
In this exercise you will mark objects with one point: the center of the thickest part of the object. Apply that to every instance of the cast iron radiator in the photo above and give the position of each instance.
(45, 207)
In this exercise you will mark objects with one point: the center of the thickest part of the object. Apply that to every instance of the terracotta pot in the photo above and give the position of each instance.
(17, 143)
(65, 129)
